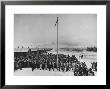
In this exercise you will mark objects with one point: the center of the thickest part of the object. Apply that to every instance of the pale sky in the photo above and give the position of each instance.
(39, 30)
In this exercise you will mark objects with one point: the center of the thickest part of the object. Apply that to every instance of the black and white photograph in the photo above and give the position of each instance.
(55, 45)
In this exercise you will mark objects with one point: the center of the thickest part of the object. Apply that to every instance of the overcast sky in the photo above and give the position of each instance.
(39, 30)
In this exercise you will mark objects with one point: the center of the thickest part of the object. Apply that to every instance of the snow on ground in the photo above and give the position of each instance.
(88, 58)
(29, 72)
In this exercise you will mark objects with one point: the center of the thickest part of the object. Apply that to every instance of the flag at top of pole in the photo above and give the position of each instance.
(56, 21)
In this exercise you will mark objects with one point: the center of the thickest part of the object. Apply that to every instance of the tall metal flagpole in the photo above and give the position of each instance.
(57, 42)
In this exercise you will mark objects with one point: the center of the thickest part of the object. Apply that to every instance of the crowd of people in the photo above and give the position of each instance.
(43, 60)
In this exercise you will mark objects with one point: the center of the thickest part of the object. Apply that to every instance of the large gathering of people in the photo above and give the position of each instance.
(43, 60)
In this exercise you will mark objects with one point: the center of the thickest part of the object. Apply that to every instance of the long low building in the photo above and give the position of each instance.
(32, 49)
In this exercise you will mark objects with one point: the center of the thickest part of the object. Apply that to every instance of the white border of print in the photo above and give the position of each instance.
(100, 79)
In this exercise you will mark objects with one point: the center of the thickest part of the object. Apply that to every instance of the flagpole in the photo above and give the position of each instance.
(57, 42)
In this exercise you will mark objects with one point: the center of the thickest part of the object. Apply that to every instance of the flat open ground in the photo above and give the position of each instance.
(88, 58)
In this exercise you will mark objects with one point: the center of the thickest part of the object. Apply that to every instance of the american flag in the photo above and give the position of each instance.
(56, 21)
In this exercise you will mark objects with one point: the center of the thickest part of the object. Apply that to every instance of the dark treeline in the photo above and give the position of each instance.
(94, 49)
(42, 60)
